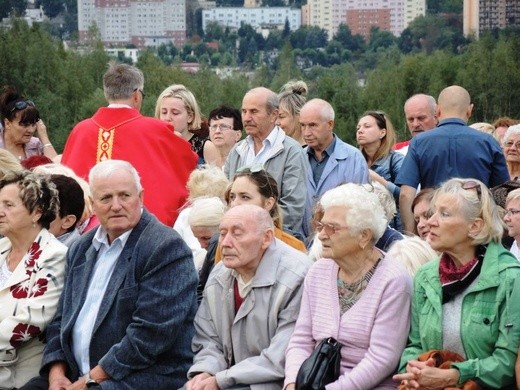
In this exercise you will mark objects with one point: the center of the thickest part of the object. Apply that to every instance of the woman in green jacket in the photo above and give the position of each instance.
(467, 300)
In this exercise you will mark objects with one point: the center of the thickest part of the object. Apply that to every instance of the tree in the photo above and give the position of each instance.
(52, 8)
(380, 38)
(355, 43)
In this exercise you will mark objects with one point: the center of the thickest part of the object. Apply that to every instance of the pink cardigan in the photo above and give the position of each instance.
(373, 332)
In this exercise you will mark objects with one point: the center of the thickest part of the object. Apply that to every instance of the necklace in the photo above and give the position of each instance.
(349, 293)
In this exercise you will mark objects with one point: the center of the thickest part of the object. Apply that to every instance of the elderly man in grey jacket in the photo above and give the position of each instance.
(249, 308)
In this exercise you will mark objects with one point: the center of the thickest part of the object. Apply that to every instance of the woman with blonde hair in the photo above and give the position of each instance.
(8, 163)
(204, 182)
(375, 136)
(465, 300)
(291, 100)
(177, 105)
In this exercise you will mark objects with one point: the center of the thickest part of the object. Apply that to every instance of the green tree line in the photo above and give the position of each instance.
(67, 85)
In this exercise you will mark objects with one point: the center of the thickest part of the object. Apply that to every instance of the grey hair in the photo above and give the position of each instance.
(207, 212)
(432, 103)
(471, 208)
(511, 130)
(385, 198)
(121, 81)
(363, 208)
(106, 168)
(37, 192)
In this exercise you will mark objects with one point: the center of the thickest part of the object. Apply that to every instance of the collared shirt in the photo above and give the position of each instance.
(243, 287)
(107, 257)
(265, 152)
(317, 167)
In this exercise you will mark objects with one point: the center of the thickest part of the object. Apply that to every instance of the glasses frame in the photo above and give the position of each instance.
(140, 90)
(221, 127)
(330, 229)
(511, 212)
(510, 144)
(22, 105)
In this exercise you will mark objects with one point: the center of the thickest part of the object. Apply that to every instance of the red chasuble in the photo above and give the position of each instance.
(164, 160)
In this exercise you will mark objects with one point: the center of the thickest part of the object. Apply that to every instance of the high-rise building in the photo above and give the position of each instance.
(139, 22)
(481, 15)
(361, 15)
(258, 18)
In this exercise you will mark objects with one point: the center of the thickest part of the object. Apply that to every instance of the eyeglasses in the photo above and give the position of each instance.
(220, 127)
(511, 212)
(142, 93)
(510, 144)
(22, 105)
(329, 228)
(473, 185)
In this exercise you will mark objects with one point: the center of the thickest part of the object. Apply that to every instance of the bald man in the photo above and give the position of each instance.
(267, 146)
(452, 150)
(250, 305)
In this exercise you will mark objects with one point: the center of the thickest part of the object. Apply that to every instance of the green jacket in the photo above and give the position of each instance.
(490, 325)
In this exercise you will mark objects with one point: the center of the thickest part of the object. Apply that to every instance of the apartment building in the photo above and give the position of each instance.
(482, 15)
(138, 22)
(361, 15)
(257, 17)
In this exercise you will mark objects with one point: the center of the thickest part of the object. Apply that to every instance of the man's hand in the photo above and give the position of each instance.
(290, 386)
(202, 381)
(57, 378)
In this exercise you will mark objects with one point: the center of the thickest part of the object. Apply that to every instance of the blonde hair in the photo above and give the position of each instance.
(472, 206)
(207, 181)
(411, 252)
(179, 91)
(484, 127)
(8, 163)
(292, 96)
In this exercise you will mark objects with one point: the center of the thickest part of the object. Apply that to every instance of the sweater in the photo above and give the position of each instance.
(369, 356)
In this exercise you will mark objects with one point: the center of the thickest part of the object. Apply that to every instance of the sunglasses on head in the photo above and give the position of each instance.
(22, 105)
(252, 169)
(473, 185)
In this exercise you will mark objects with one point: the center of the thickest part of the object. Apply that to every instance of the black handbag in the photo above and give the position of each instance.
(322, 367)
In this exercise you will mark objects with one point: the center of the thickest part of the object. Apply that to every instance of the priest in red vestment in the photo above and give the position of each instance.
(164, 160)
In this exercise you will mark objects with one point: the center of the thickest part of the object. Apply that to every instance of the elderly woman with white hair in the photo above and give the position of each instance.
(466, 301)
(511, 148)
(354, 293)
(204, 220)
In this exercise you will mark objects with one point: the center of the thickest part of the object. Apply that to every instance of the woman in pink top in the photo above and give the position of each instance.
(354, 294)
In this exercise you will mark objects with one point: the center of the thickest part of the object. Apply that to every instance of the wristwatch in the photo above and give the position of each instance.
(89, 381)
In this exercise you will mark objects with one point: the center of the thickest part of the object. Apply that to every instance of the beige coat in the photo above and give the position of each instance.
(249, 348)
(28, 301)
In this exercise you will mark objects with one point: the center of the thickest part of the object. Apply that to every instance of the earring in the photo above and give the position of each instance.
(34, 224)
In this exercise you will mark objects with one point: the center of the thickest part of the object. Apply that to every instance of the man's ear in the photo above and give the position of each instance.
(268, 238)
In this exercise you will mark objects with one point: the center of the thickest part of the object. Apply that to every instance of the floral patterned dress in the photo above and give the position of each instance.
(28, 301)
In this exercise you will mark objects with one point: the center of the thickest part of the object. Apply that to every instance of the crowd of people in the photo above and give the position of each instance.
(177, 252)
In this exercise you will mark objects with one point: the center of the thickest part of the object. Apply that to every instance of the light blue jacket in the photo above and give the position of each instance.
(346, 164)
